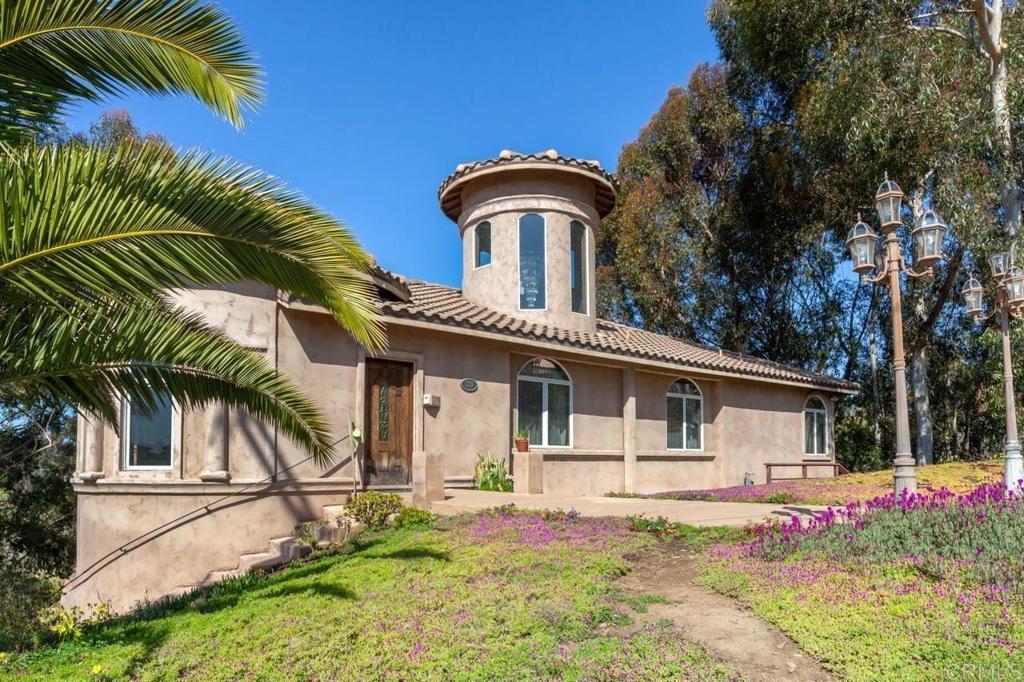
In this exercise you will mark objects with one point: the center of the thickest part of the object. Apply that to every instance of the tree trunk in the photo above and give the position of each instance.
(874, 383)
(989, 18)
(922, 408)
(1001, 112)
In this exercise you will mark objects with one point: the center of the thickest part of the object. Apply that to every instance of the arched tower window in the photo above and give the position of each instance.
(578, 267)
(482, 245)
(545, 403)
(685, 416)
(532, 268)
(815, 427)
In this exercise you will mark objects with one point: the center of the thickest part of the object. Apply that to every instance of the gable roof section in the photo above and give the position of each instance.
(445, 306)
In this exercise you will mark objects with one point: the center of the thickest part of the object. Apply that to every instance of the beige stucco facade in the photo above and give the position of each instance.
(618, 421)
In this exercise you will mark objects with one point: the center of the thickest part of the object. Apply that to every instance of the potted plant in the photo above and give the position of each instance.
(522, 440)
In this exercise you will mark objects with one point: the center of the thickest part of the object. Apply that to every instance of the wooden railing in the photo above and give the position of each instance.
(837, 469)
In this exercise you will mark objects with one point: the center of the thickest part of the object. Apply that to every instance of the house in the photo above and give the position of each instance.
(608, 408)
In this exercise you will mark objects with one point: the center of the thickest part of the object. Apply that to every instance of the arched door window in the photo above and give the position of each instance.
(815, 427)
(685, 416)
(545, 403)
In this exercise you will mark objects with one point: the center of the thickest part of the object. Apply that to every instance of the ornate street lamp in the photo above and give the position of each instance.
(1009, 303)
(889, 264)
(862, 242)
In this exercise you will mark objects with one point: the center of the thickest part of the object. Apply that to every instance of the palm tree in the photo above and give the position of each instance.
(92, 238)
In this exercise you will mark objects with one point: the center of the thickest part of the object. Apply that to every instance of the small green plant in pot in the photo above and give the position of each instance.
(491, 473)
(522, 440)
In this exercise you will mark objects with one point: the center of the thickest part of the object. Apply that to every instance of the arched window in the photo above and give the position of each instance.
(545, 403)
(578, 267)
(532, 270)
(685, 419)
(815, 427)
(482, 245)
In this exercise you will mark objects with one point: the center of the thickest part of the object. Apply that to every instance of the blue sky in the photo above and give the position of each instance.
(371, 104)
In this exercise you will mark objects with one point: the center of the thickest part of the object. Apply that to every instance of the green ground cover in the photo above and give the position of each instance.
(501, 596)
(959, 477)
(927, 587)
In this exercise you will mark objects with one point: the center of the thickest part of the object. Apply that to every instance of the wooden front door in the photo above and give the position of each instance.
(388, 458)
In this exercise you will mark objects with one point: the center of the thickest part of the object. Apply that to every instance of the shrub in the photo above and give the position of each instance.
(373, 508)
(66, 624)
(781, 497)
(24, 594)
(491, 473)
(410, 517)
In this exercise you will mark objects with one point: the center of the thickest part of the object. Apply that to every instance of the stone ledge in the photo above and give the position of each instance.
(197, 487)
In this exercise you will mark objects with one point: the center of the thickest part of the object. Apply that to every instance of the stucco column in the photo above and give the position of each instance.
(427, 479)
(215, 464)
(629, 430)
(93, 464)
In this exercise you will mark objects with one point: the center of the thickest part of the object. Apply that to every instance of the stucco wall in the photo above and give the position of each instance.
(557, 197)
(184, 553)
(764, 423)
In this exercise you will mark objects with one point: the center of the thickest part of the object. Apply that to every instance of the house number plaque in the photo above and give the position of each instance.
(469, 385)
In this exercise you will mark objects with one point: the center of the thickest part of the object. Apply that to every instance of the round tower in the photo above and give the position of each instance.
(528, 224)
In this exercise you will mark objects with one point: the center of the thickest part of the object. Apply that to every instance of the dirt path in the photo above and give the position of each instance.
(731, 633)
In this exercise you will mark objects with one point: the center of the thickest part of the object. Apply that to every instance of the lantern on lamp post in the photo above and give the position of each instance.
(888, 264)
(1009, 303)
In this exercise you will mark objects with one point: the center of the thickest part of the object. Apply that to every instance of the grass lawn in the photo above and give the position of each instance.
(958, 477)
(504, 596)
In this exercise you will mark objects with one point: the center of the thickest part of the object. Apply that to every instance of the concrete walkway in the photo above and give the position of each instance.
(459, 501)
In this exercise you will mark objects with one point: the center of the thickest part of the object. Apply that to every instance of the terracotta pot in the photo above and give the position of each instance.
(522, 444)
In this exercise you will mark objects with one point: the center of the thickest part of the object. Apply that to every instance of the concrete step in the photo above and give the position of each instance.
(333, 512)
(287, 547)
(282, 550)
(261, 560)
(216, 576)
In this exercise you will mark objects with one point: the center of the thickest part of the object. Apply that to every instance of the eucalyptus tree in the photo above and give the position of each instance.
(93, 237)
(925, 90)
(712, 237)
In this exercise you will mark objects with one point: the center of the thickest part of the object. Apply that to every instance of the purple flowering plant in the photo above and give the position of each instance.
(980, 532)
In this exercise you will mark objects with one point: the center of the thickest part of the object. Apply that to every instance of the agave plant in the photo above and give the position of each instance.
(92, 239)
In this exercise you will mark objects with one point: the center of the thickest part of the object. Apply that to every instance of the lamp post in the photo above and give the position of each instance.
(1009, 302)
(884, 257)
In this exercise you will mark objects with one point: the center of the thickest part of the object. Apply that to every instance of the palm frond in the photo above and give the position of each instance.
(138, 219)
(90, 355)
(54, 52)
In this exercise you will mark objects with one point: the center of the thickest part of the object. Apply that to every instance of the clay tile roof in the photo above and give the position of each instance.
(605, 182)
(443, 305)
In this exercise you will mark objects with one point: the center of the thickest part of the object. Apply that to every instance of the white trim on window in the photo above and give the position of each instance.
(687, 399)
(519, 259)
(586, 268)
(544, 401)
(819, 420)
(476, 237)
(126, 416)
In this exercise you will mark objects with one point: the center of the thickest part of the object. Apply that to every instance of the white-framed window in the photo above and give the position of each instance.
(482, 244)
(150, 438)
(815, 427)
(532, 263)
(544, 393)
(578, 292)
(684, 420)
